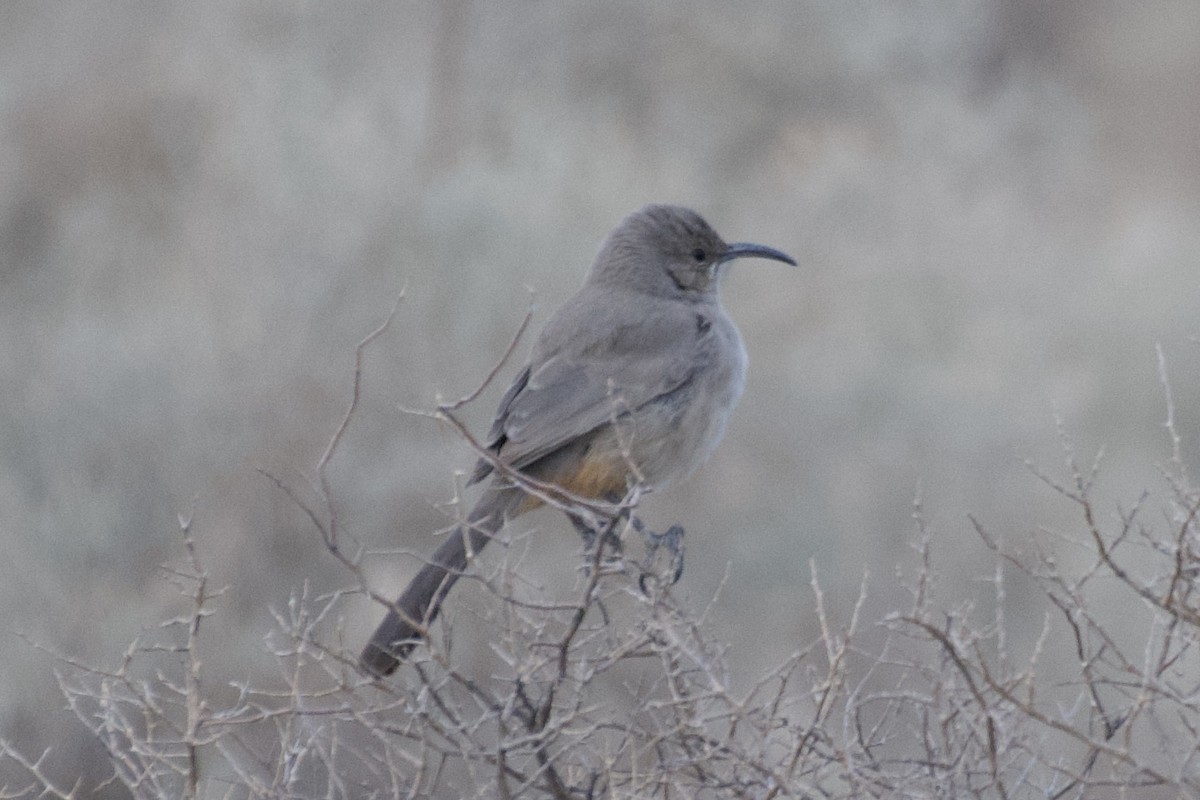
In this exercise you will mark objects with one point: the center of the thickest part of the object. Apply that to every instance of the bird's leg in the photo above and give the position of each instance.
(598, 533)
(671, 540)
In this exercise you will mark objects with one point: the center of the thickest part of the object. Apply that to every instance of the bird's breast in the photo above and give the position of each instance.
(673, 435)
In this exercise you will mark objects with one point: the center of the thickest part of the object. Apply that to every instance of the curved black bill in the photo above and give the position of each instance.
(749, 250)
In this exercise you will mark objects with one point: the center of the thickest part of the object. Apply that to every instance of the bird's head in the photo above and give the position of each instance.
(670, 251)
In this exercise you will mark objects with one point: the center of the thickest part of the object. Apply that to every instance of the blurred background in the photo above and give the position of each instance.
(205, 206)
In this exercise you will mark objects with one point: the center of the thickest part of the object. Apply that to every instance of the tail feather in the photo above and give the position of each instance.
(421, 601)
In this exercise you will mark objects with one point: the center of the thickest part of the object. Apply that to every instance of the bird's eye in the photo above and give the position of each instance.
(699, 255)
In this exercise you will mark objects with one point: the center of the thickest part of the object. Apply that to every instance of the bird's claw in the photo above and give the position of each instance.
(599, 537)
(604, 537)
(671, 541)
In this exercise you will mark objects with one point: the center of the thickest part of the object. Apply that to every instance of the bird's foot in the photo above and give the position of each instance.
(671, 542)
(601, 544)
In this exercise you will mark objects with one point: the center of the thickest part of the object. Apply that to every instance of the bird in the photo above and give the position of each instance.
(631, 382)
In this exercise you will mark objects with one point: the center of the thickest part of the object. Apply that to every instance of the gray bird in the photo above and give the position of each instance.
(630, 382)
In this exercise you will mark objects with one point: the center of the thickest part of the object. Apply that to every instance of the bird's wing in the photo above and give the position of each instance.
(589, 382)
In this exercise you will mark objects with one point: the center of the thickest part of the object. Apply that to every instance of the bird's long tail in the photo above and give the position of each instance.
(400, 632)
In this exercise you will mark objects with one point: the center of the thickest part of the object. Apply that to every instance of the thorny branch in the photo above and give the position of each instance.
(621, 689)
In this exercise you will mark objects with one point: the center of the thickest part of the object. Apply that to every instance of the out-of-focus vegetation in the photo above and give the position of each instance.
(204, 206)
